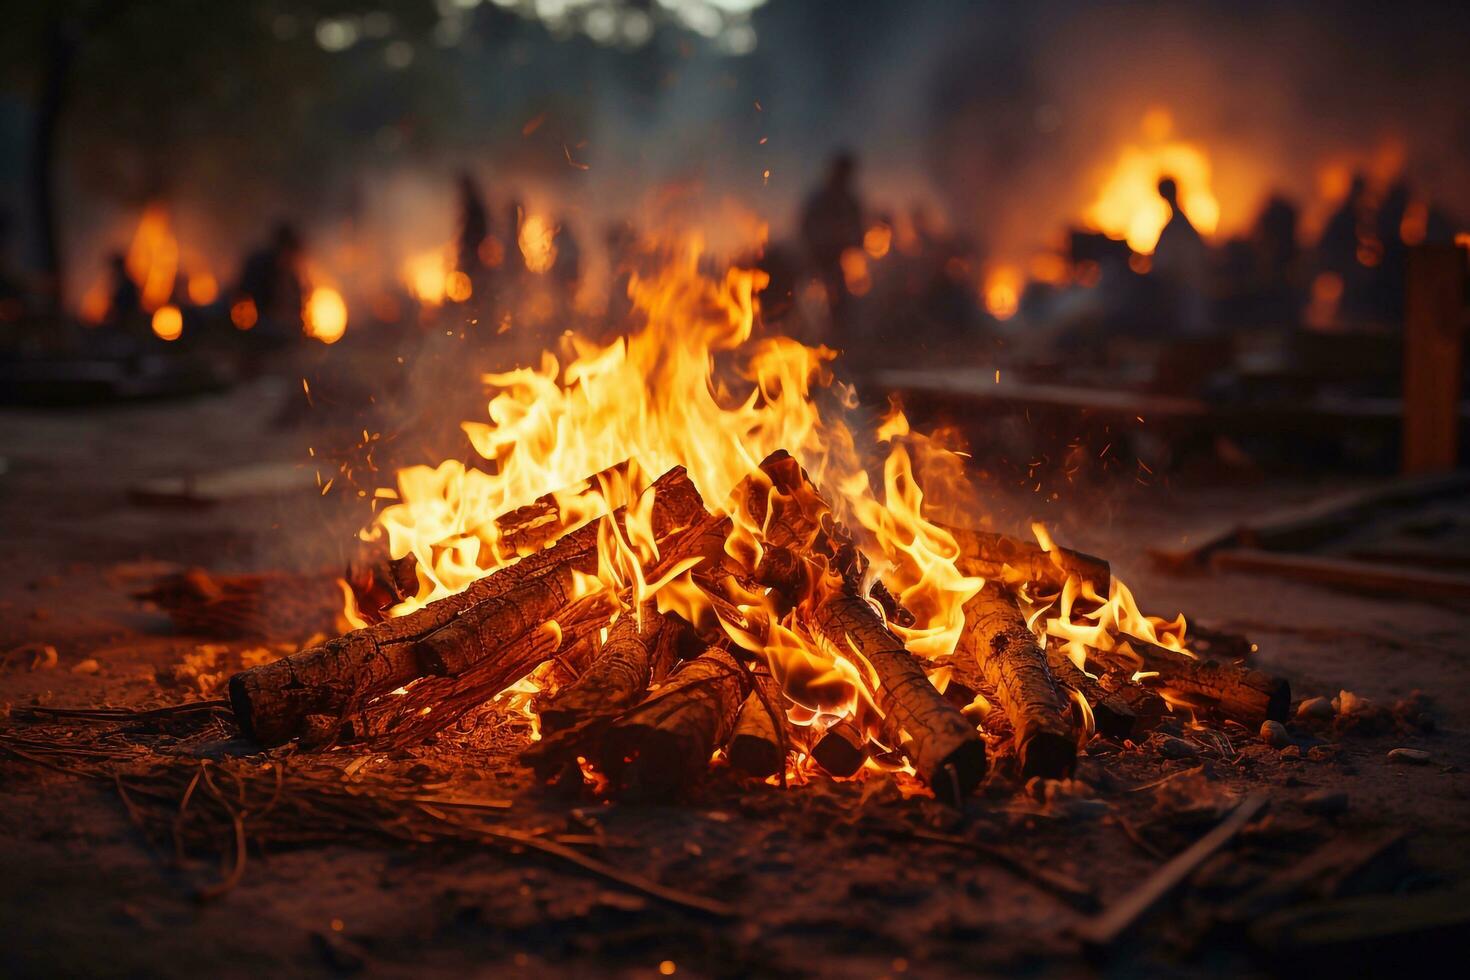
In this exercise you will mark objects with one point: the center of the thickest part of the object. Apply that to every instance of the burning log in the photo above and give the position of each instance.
(272, 701)
(842, 749)
(997, 637)
(763, 736)
(1115, 713)
(1013, 562)
(1242, 694)
(1147, 706)
(948, 753)
(664, 744)
(481, 631)
(434, 703)
(639, 650)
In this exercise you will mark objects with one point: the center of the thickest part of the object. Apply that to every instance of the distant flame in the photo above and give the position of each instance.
(153, 257)
(168, 323)
(537, 240)
(1002, 291)
(325, 315)
(243, 313)
(1129, 207)
(203, 289)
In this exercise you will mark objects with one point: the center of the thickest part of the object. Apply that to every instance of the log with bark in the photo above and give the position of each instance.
(271, 702)
(842, 749)
(662, 746)
(1241, 694)
(1014, 562)
(1115, 713)
(997, 638)
(763, 737)
(639, 651)
(947, 752)
(1147, 706)
(434, 703)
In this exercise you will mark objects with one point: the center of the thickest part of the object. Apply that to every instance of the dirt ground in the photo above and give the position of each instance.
(827, 879)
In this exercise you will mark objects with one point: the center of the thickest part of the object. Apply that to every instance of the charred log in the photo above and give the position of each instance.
(1241, 694)
(842, 749)
(997, 637)
(434, 703)
(762, 736)
(947, 751)
(1014, 562)
(662, 746)
(1115, 713)
(639, 650)
(342, 675)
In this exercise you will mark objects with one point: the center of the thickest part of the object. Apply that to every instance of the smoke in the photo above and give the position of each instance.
(1005, 116)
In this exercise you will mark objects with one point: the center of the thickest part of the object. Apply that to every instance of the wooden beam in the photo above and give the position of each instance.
(1360, 576)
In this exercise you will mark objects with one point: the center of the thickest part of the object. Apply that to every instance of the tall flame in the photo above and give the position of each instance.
(694, 387)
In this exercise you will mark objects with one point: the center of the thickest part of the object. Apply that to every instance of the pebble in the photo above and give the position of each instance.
(1176, 748)
(1408, 757)
(1322, 753)
(1317, 709)
(1274, 733)
(88, 666)
(1325, 802)
(1291, 752)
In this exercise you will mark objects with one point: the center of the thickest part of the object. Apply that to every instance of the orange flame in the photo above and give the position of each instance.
(324, 315)
(1129, 207)
(537, 241)
(168, 323)
(1002, 291)
(153, 257)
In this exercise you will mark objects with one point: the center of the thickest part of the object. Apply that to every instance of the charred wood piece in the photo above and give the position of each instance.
(947, 751)
(997, 638)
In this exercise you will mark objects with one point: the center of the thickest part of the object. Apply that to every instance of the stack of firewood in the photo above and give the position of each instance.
(646, 698)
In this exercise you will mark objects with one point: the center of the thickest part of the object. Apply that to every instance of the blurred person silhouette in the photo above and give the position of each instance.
(1180, 267)
(1337, 248)
(474, 228)
(124, 301)
(566, 269)
(832, 223)
(271, 278)
(1275, 260)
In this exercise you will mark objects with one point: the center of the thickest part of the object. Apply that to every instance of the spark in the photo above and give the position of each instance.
(580, 166)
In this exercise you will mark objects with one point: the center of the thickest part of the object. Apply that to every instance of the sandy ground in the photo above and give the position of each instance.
(823, 880)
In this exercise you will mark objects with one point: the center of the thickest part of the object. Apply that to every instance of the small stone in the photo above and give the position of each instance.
(1315, 709)
(1322, 753)
(1408, 757)
(88, 666)
(1176, 748)
(1325, 802)
(1291, 752)
(1274, 734)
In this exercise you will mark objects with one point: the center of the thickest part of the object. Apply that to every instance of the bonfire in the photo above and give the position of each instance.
(685, 549)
